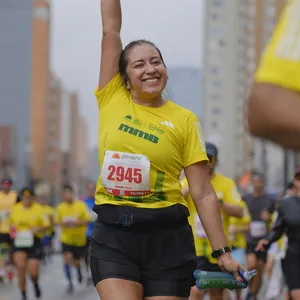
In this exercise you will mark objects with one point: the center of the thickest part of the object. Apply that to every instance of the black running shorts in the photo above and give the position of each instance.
(260, 255)
(162, 259)
(34, 252)
(76, 251)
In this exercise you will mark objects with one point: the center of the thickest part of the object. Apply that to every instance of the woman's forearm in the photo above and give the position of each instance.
(111, 16)
(209, 212)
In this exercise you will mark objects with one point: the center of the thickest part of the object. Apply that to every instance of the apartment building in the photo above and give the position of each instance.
(53, 163)
(235, 35)
(224, 82)
(40, 78)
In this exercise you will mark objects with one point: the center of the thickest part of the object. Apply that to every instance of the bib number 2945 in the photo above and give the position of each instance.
(126, 174)
(120, 173)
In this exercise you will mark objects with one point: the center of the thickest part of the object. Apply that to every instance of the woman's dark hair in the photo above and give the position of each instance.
(290, 186)
(123, 58)
(68, 187)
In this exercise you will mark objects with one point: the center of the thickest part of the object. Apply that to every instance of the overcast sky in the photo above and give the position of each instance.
(174, 25)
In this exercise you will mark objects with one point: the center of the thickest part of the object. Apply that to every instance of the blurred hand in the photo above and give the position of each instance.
(261, 245)
(233, 229)
(34, 230)
(228, 264)
(265, 216)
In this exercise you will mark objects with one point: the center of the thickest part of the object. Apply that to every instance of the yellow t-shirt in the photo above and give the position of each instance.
(281, 241)
(280, 62)
(7, 201)
(142, 150)
(48, 213)
(226, 190)
(238, 240)
(23, 219)
(75, 211)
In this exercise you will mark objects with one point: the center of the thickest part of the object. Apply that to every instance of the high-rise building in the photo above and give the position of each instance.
(24, 48)
(261, 18)
(40, 78)
(74, 141)
(53, 165)
(235, 34)
(83, 149)
(7, 151)
(224, 82)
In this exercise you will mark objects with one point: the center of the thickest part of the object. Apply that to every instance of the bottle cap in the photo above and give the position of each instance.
(248, 275)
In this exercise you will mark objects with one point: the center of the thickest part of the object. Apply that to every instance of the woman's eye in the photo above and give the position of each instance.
(138, 66)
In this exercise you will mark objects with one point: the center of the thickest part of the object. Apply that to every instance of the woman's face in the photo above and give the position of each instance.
(146, 71)
(27, 199)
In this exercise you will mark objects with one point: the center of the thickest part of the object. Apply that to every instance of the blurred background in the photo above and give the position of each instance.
(49, 65)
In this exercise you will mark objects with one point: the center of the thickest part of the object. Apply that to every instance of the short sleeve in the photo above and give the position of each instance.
(57, 215)
(194, 147)
(247, 217)
(44, 220)
(232, 194)
(104, 96)
(85, 215)
(10, 219)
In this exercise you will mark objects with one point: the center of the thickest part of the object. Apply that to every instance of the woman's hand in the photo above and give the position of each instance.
(262, 245)
(228, 264)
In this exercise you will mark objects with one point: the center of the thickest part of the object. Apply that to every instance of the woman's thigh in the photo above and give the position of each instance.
(116, 289)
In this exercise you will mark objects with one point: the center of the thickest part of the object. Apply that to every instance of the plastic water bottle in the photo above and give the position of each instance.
(222, 280)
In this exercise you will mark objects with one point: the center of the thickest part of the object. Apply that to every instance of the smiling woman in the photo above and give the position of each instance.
(142, 245)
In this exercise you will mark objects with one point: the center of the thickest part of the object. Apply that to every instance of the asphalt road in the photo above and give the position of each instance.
(53, 286)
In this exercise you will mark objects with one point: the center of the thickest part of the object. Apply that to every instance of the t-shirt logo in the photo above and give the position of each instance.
(139, 133)
(200, 135)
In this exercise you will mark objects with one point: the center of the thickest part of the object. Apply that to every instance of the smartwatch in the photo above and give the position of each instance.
(220, 252)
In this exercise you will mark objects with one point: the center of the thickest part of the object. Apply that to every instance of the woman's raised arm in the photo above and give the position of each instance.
(111, 41)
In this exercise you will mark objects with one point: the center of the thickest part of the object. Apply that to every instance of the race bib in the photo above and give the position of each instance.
(200, 232)
(24, 239)
(4, 215)
(126, 174)
(258, 229)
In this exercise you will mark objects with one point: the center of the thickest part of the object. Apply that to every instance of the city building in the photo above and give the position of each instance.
(65, 135)
(40, 78)
(7, 152)
(74, 142)
(224, 82)
(53, 164)
(43, 136)
(23, 59)
(82, 148)
(235, 35)
(261, 18)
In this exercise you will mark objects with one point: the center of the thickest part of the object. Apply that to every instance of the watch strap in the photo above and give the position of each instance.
(220, 252)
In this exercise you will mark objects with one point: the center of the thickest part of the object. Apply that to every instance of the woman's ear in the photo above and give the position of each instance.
(126, 82)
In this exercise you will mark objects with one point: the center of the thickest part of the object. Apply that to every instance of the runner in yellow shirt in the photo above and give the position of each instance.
(144, 143)
(73, 217)
(230, 205)
(8, 198)
(237, 229)
(274, 106)
(48, 234)
(27, 222)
